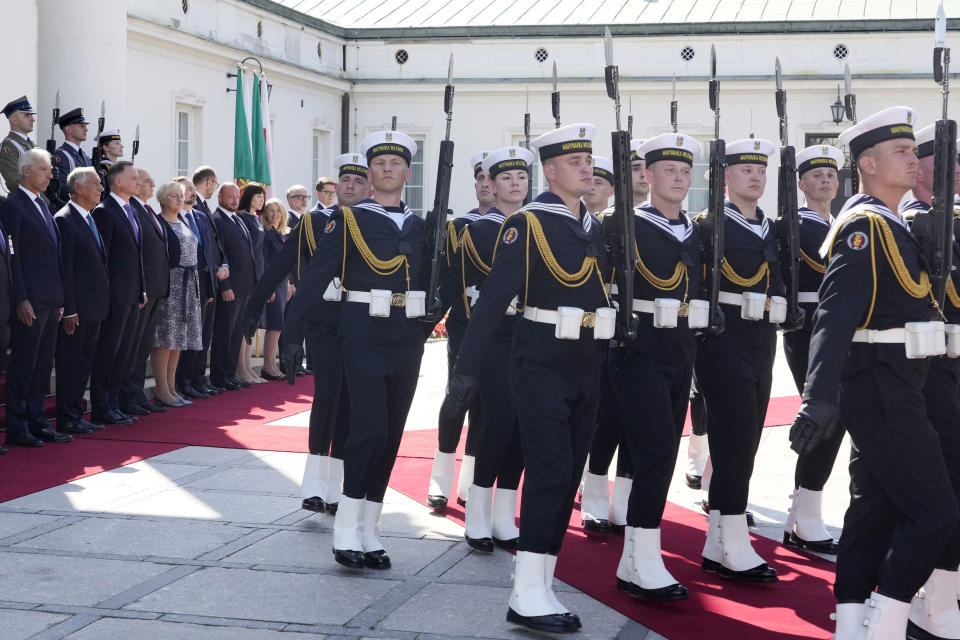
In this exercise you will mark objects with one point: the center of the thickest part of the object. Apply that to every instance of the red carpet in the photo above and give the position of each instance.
(25, 471)
(234, 420)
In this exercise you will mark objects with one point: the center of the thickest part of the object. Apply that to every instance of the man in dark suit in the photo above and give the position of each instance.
(156, 276)
(38, 292)
(228, 325)
(121, 233)
(86, 291)
(192, 380)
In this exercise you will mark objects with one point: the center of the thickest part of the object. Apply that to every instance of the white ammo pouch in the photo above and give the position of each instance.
(953, 340)
(665, 312)
(379, 302)
(919, 339)
(415, 303)
(512, 307)
(605, 323)
(334, 292)
(568, 323)
(778, 310)
(698, 314)
(472, 294)
(753, 306)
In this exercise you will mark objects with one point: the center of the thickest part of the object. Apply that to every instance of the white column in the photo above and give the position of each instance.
(83, 55)
(20, 45)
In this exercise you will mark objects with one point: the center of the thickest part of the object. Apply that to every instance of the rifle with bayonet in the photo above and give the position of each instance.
(630, 119)
(52, 141)
(97, 155)
(716, 218)
(621, 231)
(788, 216)
(53, 189)
(850, 110)
(944, 161)
(674, 105)
(136, 144)
(526, 145)
(555, 98)
(437, 235)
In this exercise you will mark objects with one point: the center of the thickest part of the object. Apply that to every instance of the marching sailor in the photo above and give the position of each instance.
(869, 356)
(448, 434)
(330, 410)
(817, 173)
(651, 373)
(551, 256)
(376, 250)
(734, 369)
(597, 514)
(491, 515)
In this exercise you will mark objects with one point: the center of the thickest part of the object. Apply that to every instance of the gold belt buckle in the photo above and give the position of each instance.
(766, 305)
(684, 310)
(398, 300)
(589, 320)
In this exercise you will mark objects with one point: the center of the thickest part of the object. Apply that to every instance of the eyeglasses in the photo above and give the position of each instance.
(298, 195)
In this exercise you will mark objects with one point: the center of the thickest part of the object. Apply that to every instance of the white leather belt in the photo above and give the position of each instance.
(549, 316)
(726, 297)
(880, 336)
(396, 299)
(472, 294)
(649, 306)
(808, 297)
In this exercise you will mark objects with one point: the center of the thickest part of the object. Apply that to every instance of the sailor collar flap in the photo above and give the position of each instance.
(858, 204)
(809, 215)
(652, 215)
(760, 231)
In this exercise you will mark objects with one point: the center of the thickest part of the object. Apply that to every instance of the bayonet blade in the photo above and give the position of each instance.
(450, 70)
(940, 28)
(56, 104)
(779, 75)
(713, 62)
(608, 46)
(103, 108)
(528, 99)
(674, 98)
(136, 136)
(555, 89)
(847, 81)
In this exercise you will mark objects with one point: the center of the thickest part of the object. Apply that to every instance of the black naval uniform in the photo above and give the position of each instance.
(66, 159)
(651, 374)
(898, 523)
(499, 455)
(813, 469)
(330, 410)
(105, 164)
(381, 356)
(448, 434)
(555, 383)
(942, 388)
(734, 369)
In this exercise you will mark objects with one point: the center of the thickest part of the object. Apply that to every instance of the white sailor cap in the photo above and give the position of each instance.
(353, 163)
(573, 138)
(670, 146)
(635, 145)
(108, 136)
(506, 159)
(889, 124)
(476, 161)
(925, 138)
(394, 143)
(817, 156)
(749, 151)
(603, 168)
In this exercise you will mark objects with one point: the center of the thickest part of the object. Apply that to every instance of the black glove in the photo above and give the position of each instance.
(794, 321)
(816, 421)
(434, 311)
(460, 391)
(250, 326)
(291, 355)
(716, 328)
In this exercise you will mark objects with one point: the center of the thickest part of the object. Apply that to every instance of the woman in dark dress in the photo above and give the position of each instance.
(274, 220)
(251, 203)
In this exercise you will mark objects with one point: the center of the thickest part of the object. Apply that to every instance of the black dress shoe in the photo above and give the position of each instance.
(134, 410)
(750, 521)
(156, 408)
(112, 417)
(332, 508)
(461, 502)
(92, 426)
(438, 504)
(348, 558)
(480, 544)
(75, 428)
(510, 545)
(194, 393)
(376, 559)
(301, 372)
(663, 594)
(307, 371)
(694, 482)
(270, 376)
(762, 573)
(227, 385)
(49, 434)
(148, 407)
(243, 384)
(3, 450)
(23, 440)
(314, 504)
(827, 546)
(600, 526)
(553, 623)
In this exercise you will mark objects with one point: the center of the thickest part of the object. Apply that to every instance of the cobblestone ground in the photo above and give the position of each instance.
(210, 544)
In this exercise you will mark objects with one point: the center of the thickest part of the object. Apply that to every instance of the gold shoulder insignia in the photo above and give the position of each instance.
(6, 150)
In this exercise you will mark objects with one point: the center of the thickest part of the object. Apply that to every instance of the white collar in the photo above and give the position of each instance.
(811, 215)
(137, 198)
(760, 230)
(30, 194)
(561, 210)
(399, 218)
(79, 209)
(76, 147)
(22, 135)
(295, 214)
(120, 200)
(858, 204)
(649, 213)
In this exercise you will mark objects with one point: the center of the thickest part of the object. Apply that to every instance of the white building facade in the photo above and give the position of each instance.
(163, 64)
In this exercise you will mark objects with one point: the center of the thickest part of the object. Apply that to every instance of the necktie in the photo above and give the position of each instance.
(153, 218)
(192, 223)
(84, 161)
(93, 227)
(131, 216)
(47, 218)
(243, 227)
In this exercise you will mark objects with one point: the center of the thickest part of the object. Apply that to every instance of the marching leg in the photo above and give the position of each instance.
(374, 555)
(506, 534)
(347, 545)
(595, 503)
(465, 479)
(477, 528)
(313, 488)
(441, 480)
(933, 611)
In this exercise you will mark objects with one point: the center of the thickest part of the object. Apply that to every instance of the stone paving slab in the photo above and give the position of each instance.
(115, 629)
(205, 456)
(37, 577)
(478, 611)
(13, 523)
(209, 505)
(138, 537)
(267, 595)
(266, 480)
(19, 625)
